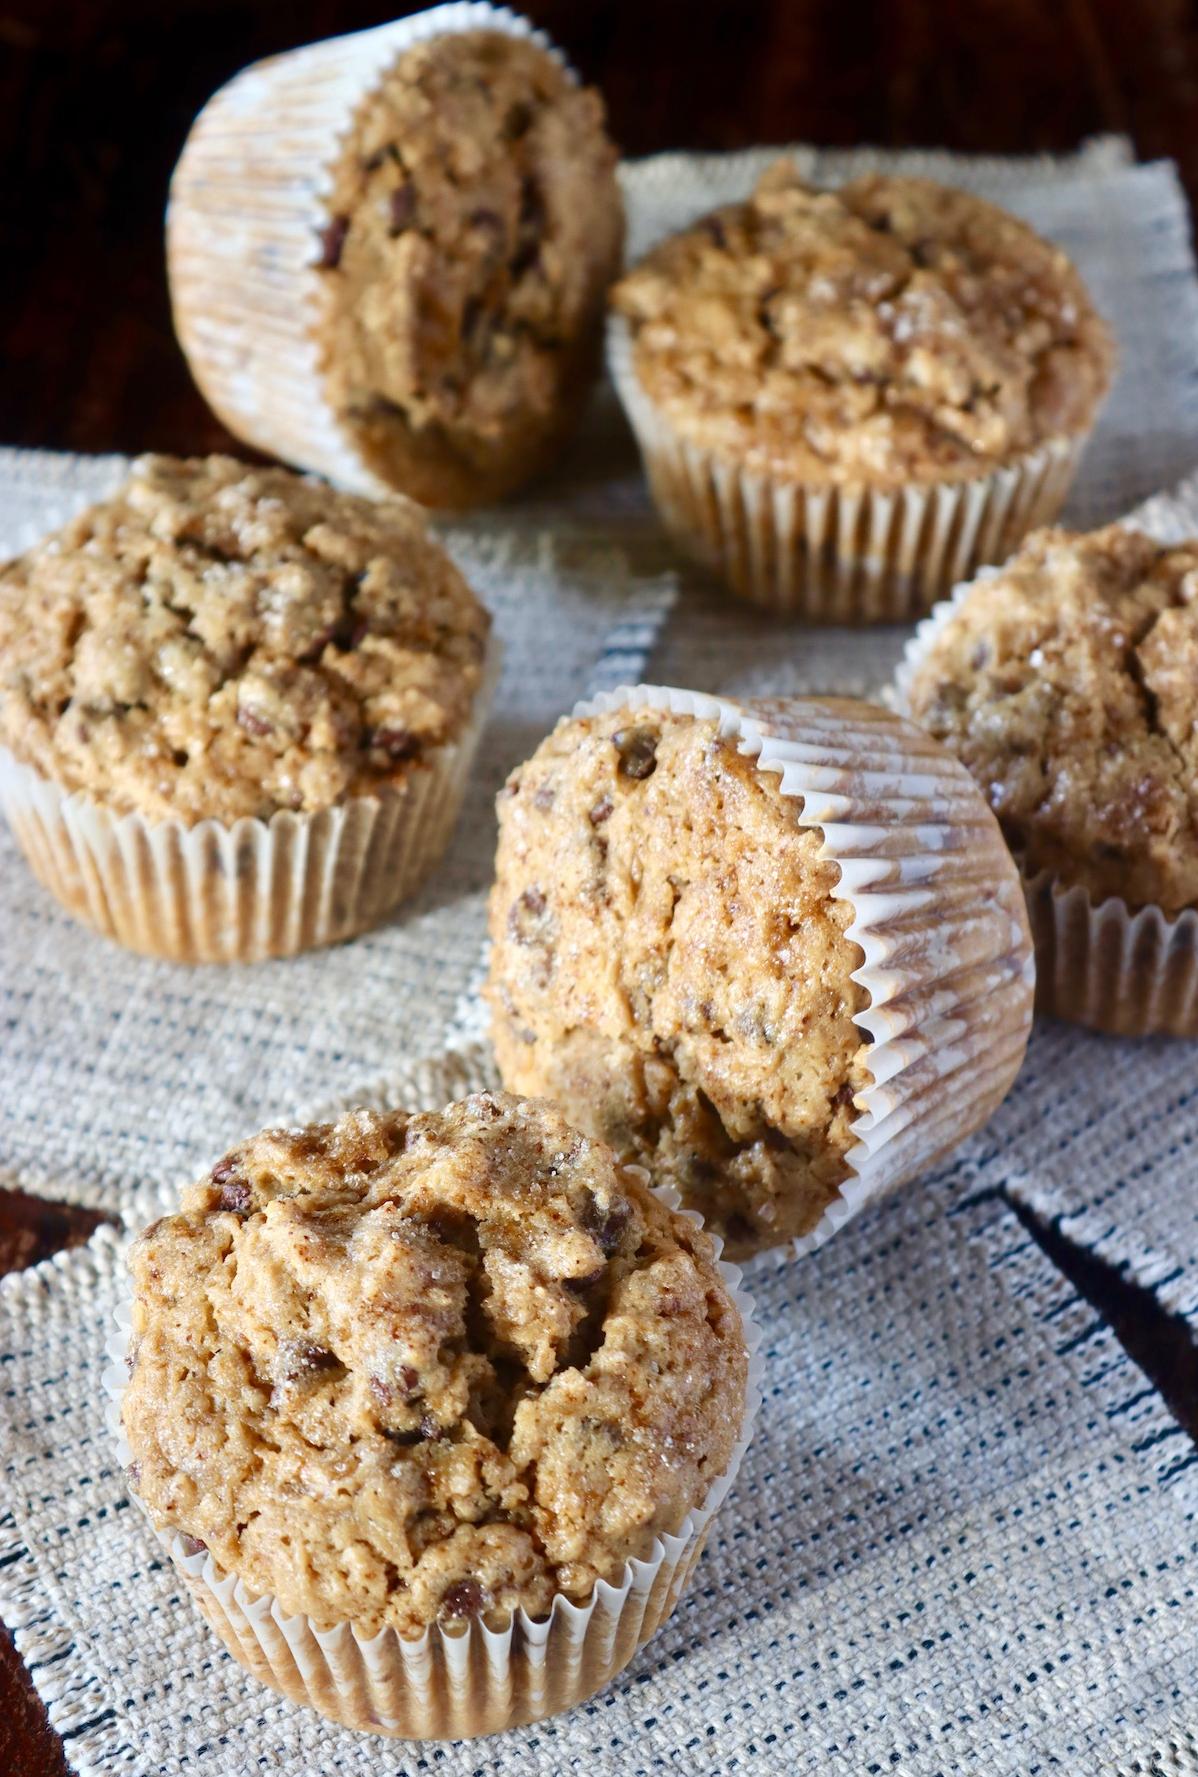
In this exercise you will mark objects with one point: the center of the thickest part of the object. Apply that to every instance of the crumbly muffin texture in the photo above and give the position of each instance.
(404, 1369)
(890, 331)
(669, 964)
(474, 226)
(1067, 682)
(218, 640)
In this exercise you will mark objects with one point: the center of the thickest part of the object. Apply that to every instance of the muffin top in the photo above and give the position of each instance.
(670, 965)
(1067, 682)
(218, 640)
(475, 223)
(890, 331)
(399, 1369)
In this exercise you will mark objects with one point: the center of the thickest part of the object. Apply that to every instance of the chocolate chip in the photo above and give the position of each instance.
(739, 1230)
(532, 203)
(843, 1097)
(526, 917)
(192, 1545)
(580, 1285)
(714, 227)
(605, 1226)
(404, 1438)
(543, 797)
(518, 121)
(396, 741)
(465, 1598)
(637, 748)
(234, 1195)
(601, 811)
(332, 242)
(252, 722)
(401, 208)
(302, 1359)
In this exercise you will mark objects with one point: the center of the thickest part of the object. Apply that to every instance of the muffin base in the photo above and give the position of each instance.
(938, 914)
(829, 554)
(463, 1683)
(252, 889)
(1129, 973)
(247, 199)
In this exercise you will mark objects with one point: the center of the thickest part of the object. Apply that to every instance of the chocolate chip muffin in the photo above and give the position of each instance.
(407, 1370)
(433, 220)
(1068, 683)
(669, 962)
(220, 643)
(891, 336)
(475, 224)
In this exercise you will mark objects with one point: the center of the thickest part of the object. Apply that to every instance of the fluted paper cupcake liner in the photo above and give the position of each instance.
(937, 912)
(248, 202)
(1131, 972)
(831, 554)
(212, 892)
(461, 1683)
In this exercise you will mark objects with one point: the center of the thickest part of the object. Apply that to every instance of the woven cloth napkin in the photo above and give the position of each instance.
(964, 1538)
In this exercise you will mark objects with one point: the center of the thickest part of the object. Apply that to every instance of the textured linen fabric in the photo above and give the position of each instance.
(964, 1538)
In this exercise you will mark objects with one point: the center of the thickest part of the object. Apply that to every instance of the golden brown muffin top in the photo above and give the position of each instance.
(399, 1369)
(475, 225)
(1067, 682)
(218, 640)
(670, 964)
(890, 331)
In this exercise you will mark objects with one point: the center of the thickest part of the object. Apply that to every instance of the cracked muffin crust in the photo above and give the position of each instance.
(892, 331)
(669, 965)
(401, 1369)
(218, 640)
(475, 223)
(1067, 683)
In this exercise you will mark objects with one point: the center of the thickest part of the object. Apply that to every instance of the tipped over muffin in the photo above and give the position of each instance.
(680, 955)
(403, 1371)
(244, 651)
(432, 238)
(820, 378)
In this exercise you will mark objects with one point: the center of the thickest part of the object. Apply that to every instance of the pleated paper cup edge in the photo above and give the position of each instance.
(212, 342)
(601, 1613)
(860, 589)
(83, 821)
(867, 1180)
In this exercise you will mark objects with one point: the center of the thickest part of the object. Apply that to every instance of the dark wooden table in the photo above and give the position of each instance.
(95, 100)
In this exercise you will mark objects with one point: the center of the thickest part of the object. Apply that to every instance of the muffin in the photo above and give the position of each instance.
(428, 1377)
(775, 952)
(847, 400)
(389, 254)
(236, 708)
(1067, 682)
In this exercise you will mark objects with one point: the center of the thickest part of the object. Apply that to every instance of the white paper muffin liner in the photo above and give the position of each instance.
(829, 554)
(1128, 971)
(248, 200)
(938, 913)
(212, 892)
(478, 1680)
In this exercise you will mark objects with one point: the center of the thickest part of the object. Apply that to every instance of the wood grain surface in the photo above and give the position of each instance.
(96, 97)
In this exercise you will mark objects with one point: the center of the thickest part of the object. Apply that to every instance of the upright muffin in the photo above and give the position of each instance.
(1067, 682)
(847, 400)
(236, 708)
(413, 1373)
(389, 254)
(775, 952)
